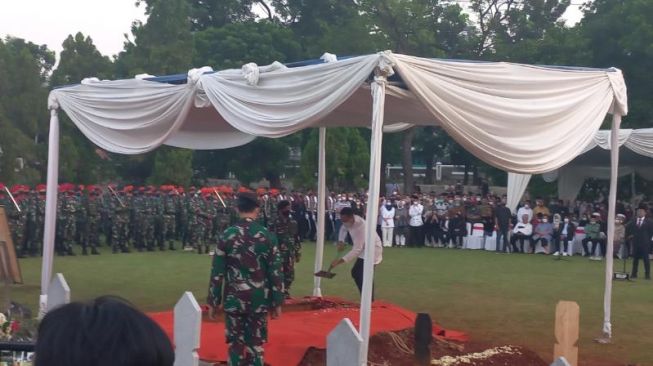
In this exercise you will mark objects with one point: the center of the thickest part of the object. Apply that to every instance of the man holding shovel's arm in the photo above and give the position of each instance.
(355, 226)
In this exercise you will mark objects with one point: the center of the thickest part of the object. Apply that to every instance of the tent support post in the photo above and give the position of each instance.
(50, 207)
(378, 100)
(321, 218)
(612, 200)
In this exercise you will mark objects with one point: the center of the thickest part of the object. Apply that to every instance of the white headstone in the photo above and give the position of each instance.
(560, 361)
(344, 345)
(58, 292)
(188, 325)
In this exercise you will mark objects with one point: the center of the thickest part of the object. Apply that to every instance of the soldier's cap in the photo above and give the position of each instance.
(621, 216)
(249, 197)
(596, 214)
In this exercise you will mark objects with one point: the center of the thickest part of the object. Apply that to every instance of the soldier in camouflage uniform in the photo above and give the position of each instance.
(18, 219)
(92, 207)
(248, 266)
(138, 219)
(209, 214)
(40, 218)
(168, 231)
(148, 211)
(69, 208)
(285, 228)
(120, 229)
(195, 228)
(34, 228)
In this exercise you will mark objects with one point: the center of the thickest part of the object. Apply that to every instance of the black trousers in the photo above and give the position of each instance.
(565, 241)
(357, 272)
(416, 237)
(641, 253)
(521, 238)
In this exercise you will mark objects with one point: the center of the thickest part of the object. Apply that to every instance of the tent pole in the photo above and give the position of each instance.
(612, 200)
(378, 100)
(50, 207)
(321, 203)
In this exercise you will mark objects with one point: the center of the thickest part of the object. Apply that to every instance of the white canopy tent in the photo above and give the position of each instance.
(593, 163)
(510, 115)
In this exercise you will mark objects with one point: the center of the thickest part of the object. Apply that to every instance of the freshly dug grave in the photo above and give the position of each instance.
(396, 349)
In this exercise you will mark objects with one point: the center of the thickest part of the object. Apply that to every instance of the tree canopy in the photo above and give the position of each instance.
(181, 34)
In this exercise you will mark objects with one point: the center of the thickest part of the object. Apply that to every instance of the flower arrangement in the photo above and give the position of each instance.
(8, 327)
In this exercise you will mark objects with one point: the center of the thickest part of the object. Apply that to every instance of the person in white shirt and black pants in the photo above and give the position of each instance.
(354, 225)
(416, 237)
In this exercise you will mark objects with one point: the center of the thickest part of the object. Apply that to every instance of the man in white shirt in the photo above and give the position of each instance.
(416, 223)
(387, 223)
(523, 231)
(354, 225)
(525, 210)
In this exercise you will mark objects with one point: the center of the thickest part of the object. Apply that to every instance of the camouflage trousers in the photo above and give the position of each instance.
(168, 230)
(288, 268)
(119, 234)
(246, 334)
(92, 235)
(18, 234)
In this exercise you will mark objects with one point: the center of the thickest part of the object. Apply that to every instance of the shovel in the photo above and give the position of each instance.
(328, 274)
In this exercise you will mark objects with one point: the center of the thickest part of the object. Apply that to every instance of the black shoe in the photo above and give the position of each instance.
(633, 276)
(172, 247)
(94, 252)
(125, 250)
(71, 253)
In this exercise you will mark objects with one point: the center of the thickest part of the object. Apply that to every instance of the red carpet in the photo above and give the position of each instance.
(296, 331)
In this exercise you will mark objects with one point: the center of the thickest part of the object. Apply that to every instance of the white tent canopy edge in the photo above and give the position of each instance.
(498, 111)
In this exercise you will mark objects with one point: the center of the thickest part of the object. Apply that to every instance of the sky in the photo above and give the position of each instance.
(106, 21)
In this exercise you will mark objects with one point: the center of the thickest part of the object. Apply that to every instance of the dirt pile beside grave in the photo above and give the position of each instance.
(396, 349)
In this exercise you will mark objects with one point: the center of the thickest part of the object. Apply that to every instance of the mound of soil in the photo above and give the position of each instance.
(395, 349)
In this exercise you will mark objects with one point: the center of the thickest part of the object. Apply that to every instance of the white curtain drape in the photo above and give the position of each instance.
(126, 116)
(571, 179)
(515, 117)
(517, 184)
(289, 100)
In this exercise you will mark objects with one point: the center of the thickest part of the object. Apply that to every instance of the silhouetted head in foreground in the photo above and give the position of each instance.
(108, 331)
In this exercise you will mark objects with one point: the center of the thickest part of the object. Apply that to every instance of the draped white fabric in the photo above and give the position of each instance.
(571, 179)
(126, 116)
(517, 184)
(520, 118)
(287, 101)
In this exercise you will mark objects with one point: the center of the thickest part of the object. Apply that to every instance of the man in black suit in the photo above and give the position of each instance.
(640, 232)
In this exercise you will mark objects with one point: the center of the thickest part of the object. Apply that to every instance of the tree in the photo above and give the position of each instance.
(23, 68)
(337, 26)
(80, 59)
(505, 24)
(347, 159)
(236, 44)
(620, 34)
(425, 28)
(161, 46)
(172, 166)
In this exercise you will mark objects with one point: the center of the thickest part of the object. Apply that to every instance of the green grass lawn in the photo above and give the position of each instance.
(496, 298)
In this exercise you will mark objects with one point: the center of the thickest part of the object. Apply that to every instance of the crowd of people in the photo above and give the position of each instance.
(151, 218)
